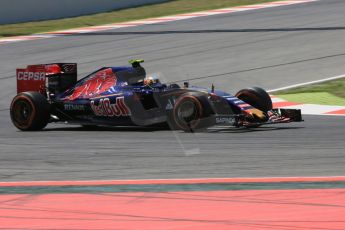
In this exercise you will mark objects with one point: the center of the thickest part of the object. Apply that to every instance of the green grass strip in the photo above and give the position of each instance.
(327, 93)
(148, 11)
(319, 98)
(170, 187)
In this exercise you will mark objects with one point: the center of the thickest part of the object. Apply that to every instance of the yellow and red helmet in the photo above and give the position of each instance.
(148, 81)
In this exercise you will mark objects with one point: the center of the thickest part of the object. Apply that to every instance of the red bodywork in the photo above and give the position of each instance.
(41, 77)
(95, 85)
(33, 78)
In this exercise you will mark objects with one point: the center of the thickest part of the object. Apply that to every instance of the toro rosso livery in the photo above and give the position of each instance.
(125, 96)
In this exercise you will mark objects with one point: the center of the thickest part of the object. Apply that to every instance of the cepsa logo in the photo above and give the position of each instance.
(106, 108)
(28, 76)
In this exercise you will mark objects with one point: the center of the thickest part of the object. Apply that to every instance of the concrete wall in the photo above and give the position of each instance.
(14, 11)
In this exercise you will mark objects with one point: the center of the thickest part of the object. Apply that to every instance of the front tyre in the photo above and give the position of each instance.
(256, 97)
(192, 112)
(30, 111)
(259, 99)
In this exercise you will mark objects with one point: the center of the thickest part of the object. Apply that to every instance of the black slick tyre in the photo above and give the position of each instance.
(192, 112)
(30, 111)
(256, 97)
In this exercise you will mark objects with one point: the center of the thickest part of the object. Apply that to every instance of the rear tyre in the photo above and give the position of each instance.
(256, 97)
(30, 111)
(192, 112)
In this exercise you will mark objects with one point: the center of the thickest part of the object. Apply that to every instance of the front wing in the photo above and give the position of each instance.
(275, 116)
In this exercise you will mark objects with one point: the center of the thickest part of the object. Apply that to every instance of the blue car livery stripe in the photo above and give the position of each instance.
(238, 103)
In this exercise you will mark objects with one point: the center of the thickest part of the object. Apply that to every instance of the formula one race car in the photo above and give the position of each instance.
(125, 96)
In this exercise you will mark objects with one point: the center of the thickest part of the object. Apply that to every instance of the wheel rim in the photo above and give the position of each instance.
(187, 112)
(22, 113)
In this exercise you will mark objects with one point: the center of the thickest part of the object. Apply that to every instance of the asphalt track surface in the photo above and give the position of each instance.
(268, 47)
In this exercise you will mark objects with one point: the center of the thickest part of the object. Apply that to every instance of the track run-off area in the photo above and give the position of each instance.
(223, 203)
(270, 47)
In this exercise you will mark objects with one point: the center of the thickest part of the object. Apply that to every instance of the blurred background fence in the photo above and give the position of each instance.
(15, 11)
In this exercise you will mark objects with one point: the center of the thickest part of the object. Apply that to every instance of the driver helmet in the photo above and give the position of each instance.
(148, 81)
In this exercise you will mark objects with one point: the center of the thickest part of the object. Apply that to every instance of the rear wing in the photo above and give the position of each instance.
(55, 77)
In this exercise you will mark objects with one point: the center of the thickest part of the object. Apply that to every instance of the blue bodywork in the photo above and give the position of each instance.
(127, 101)
(124, 96)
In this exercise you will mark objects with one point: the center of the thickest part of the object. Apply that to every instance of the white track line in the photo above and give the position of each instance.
(306, 83)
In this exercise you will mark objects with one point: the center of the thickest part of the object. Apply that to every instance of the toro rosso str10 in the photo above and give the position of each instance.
(125, 96)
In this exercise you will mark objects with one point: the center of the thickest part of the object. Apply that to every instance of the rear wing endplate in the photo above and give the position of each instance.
(33, 77)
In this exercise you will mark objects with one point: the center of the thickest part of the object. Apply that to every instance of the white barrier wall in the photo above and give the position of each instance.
(14, 11)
